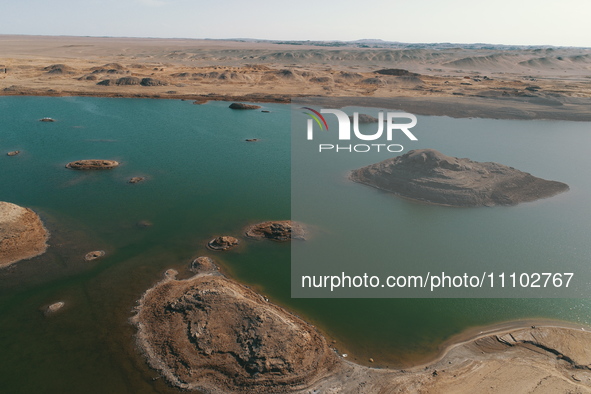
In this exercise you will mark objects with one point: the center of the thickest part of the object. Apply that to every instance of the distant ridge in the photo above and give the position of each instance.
(379, 43)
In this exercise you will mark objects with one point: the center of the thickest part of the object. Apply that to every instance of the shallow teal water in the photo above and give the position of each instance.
(203, 180)
(365, 230)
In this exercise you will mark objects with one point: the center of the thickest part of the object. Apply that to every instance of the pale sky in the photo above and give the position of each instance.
(522, 22)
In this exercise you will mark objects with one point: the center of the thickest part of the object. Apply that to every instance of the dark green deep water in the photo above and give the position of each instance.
(203, 180)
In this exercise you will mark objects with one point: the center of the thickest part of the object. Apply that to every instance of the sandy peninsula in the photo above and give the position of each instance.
(22, 234)
(459, 81)
(213, 334)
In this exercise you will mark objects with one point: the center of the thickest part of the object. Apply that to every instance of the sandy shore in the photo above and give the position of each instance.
(550, 83)
(544, 359)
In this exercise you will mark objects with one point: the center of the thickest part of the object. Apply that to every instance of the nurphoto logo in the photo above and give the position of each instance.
(345, 134)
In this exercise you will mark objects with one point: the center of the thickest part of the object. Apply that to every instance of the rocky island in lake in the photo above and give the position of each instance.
(277, 230)
(92, 164)
(430, 176)
(212, 334)
(22, 234)
(244, 106)
(224, 242)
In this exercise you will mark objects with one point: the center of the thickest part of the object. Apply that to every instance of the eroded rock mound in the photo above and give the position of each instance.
(244, 106)
(282, 230)
(152, 82)
(202, 264)
(106, 82)
(22, 234)
(128, 81)
(212, 334)
(430, 176)
(92, 164)
(224, 242)
(59, 69)
(124, 81)
(111, 68)
(399, 72)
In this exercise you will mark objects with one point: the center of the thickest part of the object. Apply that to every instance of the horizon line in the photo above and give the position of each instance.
(287, 41)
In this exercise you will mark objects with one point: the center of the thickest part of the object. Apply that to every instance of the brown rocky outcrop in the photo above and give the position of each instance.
(106, 82)
(279, 230)
(59, 69)
(22, 234)
(430, 176)
(92, 164)
(202, 264)
(399, 72)
(212, 334)
(97, 254)
(152, 82)
(224, 242)
(108, 68)
(124, 81)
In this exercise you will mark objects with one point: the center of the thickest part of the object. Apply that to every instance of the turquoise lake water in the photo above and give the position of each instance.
(203, 180)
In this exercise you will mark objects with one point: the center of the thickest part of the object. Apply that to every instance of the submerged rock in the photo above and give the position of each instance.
(224, 242)
(137, 179)
(244, 106)
(430, 176)
(144, 223)
(92, 164)
(281, 230)
(22, 234)
(97, 254)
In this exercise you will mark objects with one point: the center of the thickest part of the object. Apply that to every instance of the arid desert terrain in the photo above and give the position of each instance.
(517, 82)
